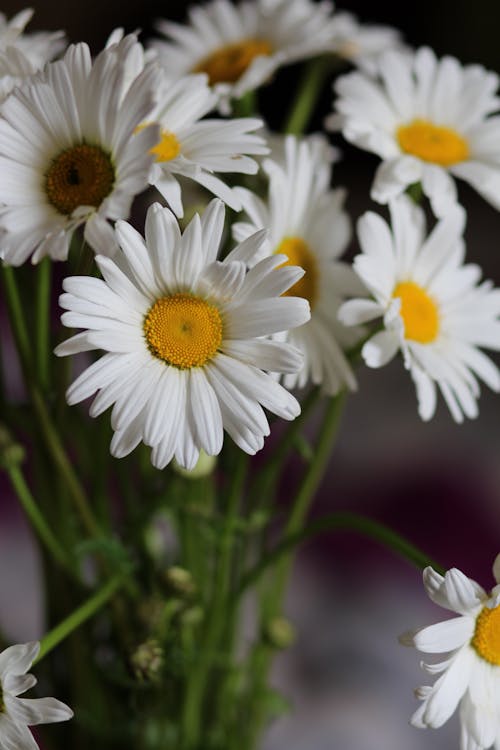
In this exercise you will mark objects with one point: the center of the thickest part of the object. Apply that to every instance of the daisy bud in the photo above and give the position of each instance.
(280, 633)
(180, 581)
(147, 661)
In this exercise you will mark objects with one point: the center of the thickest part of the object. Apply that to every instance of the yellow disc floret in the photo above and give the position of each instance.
(167, 148)
(82, 175)
(419, 312)
(433, 143)
(227, 64)
(300, 254)
(183, 330)
(486, 638)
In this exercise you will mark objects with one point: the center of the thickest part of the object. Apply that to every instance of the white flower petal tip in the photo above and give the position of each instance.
(406, 100)
(178, 395)
(496, 568)
(19, 713)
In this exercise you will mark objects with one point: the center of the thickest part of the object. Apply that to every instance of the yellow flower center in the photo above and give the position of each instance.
(82, 175)
(227, 64)
(167, 148)
(486, 638)
(299, 254)
(183, 330)
(432, 143)
(419, 312)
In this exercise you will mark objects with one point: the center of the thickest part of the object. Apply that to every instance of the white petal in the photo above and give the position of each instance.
(380, 349)
(454, 591)
(444, 636)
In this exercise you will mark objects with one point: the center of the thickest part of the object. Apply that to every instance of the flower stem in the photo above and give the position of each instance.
(43, 348)
(17, 318)
(308, 92)
(36, 517)
(341, 521)
(79, 616)
(192, 718)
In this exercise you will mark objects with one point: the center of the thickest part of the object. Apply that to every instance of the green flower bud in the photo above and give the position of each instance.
(205, 466)
(280, 633)
(147, 661)
(12, 454)
(180, 581)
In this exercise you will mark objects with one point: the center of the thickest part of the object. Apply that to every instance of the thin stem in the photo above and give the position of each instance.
(36, 517)
(43, 348)
(79, 616)
(341, 521)
(308, 92)
(192, 718)
(17, 319)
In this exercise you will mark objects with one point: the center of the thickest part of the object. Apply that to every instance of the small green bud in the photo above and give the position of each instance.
(205, 466)
(191, 617)
(12, 454)
(280, 633)
(147, 661)
(180, 581)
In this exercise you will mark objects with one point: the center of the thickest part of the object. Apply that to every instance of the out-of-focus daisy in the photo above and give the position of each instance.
(37, 47)
(241, 46)
(428, 120)
(22, 55)
(433, 309)
(196, 148)
(470, 672)
(183, 335)
(362, 43)
(17, 714)
(307, 223)
(69, 155)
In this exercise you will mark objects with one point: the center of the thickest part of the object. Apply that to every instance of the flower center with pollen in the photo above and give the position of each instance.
(227, 64)
(486, 638)
(433, 143)
(419, 312)
(299, 254)
(183, 330)
(79, 176)
(167, 148)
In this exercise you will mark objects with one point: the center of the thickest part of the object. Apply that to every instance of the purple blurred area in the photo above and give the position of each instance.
(349, 681)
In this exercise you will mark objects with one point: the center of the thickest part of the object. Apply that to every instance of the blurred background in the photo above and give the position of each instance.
(349, 683)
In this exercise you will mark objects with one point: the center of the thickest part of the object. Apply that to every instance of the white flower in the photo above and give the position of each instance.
(22, 55)
(197, 148)
(433, 309)
(16, 714)
(68, 153)
(241, 46)
(427, 119)
(470, 673)
(307, 223)
(362, 43)
(183, 338)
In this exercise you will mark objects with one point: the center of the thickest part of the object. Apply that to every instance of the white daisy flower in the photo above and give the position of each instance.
(183, 336)
(427, 119)
(68, 153)
(470, 673)
(362, 43)
(37, 47)
(307, 223)
(433, 309)
(17, 714)
(197, 148)
(241, 46)
(22, 55)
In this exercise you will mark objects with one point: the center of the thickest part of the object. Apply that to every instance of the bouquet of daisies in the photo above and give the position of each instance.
(184, 265)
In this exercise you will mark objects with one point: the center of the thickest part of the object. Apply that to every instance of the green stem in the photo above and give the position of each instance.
(43, 348)
(79, 616)
(193, 704)
(56, 450)
(17, 319)
(36, 517)
(341, 521)
(309, 90)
